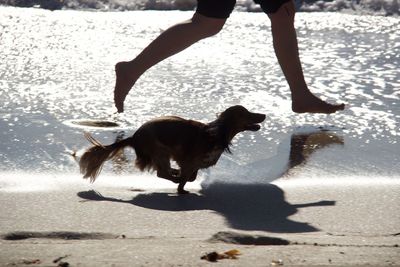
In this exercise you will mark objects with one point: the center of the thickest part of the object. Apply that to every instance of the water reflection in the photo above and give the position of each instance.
(292, 153)
(303, 145)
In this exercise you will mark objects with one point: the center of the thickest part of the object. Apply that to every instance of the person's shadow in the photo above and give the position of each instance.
(254, 206)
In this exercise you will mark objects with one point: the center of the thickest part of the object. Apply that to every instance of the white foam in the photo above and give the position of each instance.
(38, 182)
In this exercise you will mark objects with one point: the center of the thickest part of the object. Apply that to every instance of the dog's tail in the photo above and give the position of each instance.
(93, 159)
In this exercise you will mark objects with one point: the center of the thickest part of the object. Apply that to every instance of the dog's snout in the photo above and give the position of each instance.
(258, 117)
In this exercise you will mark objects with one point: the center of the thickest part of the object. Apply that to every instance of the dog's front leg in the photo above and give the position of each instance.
(175, 173)
(187, 175)
(193, 177)
(181, 185)
(169, 176)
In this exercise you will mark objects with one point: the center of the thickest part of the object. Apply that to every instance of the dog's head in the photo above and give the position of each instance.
(239, 119)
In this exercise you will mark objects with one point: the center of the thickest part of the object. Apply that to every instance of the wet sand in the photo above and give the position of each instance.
(294, 222)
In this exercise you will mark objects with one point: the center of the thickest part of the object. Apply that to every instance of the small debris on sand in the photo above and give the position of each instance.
(215, 256)
(35, 261)
(60, 258)
(277, 262)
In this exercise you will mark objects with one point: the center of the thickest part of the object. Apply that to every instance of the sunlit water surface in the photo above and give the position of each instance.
(58, 67)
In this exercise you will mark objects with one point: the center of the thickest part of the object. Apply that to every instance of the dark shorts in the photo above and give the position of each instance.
(223, 8)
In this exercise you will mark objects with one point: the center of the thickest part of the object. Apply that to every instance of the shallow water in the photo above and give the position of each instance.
(57, 67)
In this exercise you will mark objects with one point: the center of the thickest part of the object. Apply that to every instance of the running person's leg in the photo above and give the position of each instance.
(287, 52)
(208, 20)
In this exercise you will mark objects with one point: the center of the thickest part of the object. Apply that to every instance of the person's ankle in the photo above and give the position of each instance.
(301, 94)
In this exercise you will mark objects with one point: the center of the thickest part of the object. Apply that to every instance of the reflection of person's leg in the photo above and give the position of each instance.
(170, 42)
(286, 50)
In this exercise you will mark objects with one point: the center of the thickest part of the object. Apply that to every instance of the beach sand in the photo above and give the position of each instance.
(290, 222)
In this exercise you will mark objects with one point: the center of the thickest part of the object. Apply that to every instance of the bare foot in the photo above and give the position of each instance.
(312, 104)
(123, 84)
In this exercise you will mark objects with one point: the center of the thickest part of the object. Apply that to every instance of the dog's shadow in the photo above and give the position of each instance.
(255, 206)
(260, 207)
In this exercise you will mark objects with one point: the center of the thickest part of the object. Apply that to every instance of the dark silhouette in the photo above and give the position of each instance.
(191, 144)
(259, 207)
(256, 206)
(209, 18)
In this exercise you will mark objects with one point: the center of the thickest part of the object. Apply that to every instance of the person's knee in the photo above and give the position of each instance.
(208, 26)
(211, 30)
(284, 15)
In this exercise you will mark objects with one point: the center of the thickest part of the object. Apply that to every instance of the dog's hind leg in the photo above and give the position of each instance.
(164, 170)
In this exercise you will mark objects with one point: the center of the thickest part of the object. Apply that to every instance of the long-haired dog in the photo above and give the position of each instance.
(191, 144)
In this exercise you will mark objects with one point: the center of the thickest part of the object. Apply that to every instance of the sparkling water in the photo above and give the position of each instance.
(57, 67)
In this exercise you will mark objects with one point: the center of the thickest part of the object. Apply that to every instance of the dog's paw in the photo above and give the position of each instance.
(183, 192)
